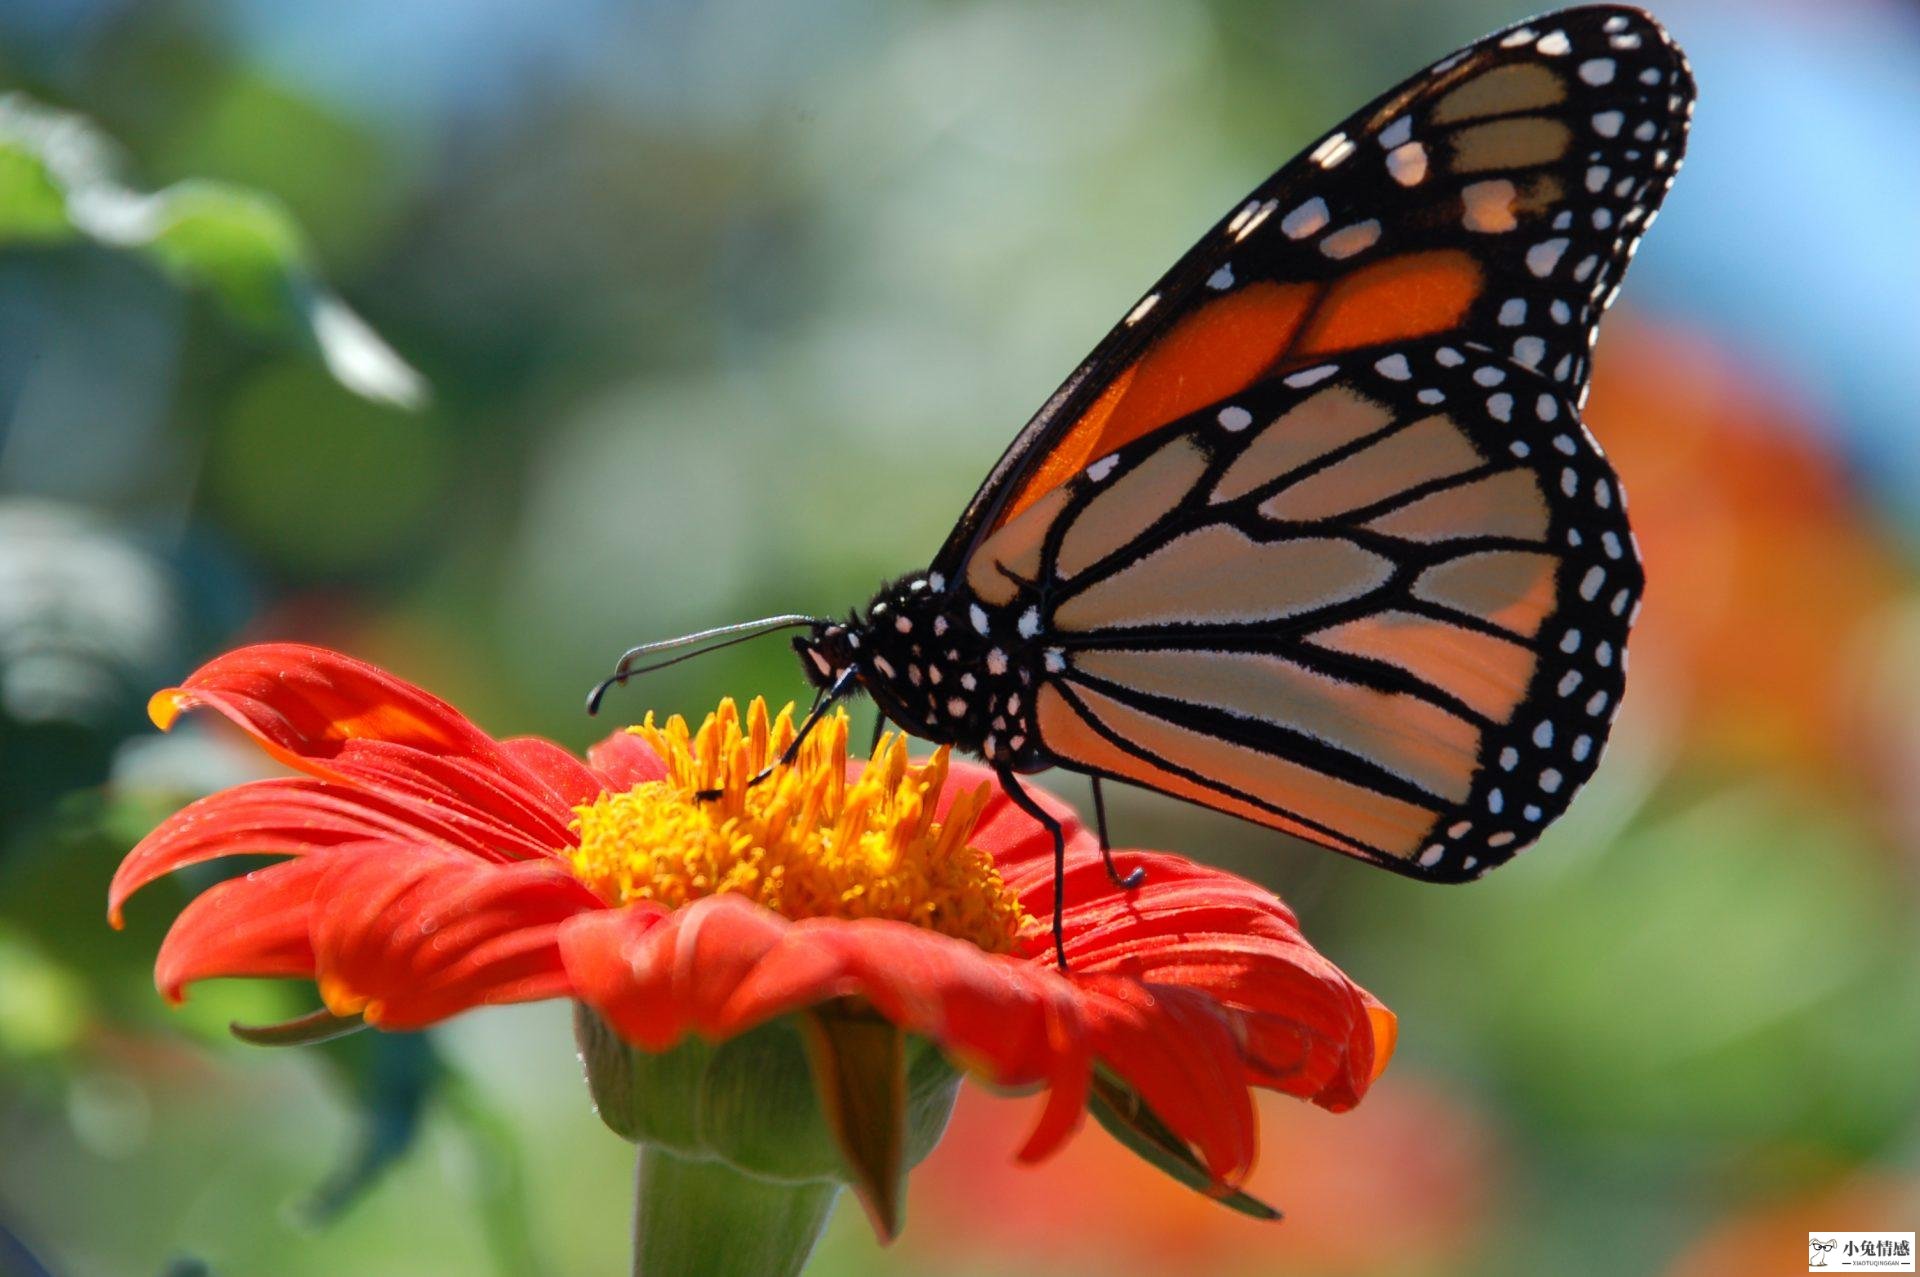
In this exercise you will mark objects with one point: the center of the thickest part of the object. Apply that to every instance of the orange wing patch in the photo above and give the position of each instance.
(1216, 351)
(1508, 504)
(1410, 737)
(1488, 674)
(1227, 345)
(1216, 575)
(1016, 547)
(1431, 448)
(1359, 816)
(1309, 430)
(1518, 86)
(1391, 300)
(1509, 588)
(1522, 142)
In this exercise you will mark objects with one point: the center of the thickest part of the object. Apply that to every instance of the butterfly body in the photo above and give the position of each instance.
(1316, 536)
(947, 666)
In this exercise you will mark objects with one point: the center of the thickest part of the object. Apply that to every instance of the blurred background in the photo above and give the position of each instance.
(481, 339)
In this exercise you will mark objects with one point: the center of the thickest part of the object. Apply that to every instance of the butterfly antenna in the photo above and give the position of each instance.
(727, 636)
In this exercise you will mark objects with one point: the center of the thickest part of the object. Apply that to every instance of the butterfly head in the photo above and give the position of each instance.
(827, 651)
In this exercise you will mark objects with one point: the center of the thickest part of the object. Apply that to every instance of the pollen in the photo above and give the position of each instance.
(807, 842)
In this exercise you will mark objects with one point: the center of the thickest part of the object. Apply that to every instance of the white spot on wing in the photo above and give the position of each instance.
(1261, 214)
(1349, 240)
(1332, 151)
(1408, 164)
(1306, 220)
(1544, 256)
(1311, 376)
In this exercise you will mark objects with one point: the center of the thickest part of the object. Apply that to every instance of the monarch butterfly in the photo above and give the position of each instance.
(1315, 535)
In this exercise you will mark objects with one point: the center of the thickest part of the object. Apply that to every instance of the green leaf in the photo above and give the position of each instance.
(241, 245)
(58, 182)
(32, 208)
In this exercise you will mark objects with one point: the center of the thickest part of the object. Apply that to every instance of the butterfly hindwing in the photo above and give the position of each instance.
(1497, 197)
(1381, 602)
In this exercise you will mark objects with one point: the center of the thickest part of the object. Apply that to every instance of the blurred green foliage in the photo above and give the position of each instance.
(57, 183)
(727, 306)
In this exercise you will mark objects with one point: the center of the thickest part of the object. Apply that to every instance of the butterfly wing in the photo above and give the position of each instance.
(1500, 194)
(1381, 603)
(1315, 534)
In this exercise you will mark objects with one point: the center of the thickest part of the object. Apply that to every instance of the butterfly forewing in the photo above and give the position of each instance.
(1497, 196)
(1381, 603)
(1315, 536)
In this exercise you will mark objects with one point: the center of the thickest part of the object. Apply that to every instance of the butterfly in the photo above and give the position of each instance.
(1315, 536)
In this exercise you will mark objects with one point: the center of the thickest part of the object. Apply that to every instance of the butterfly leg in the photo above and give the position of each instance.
(842, 688)
(1024, 801)
(1130, 881)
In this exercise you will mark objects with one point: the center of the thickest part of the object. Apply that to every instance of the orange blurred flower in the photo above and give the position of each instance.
(1762, 570)
(1772, 1238)
(1404, 1184)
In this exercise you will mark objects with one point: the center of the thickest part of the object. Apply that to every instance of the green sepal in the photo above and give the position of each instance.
(860, 1077)
(317, 1026)
(750, 1101)
(1119, 1108)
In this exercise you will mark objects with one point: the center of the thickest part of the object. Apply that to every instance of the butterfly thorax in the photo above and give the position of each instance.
(943, 665)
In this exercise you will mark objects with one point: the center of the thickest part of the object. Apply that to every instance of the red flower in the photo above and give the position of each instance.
(428, 868)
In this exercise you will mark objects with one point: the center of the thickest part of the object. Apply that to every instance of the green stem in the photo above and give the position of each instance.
(703, 1218)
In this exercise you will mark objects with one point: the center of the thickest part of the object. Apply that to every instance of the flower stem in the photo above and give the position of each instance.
(701, 1217)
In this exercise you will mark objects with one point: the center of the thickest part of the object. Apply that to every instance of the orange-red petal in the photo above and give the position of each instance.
(255, 925)
(292, 816)
(353, 723)
(407, 935)
(722, 965)
(625, 760)
(1308, 1029)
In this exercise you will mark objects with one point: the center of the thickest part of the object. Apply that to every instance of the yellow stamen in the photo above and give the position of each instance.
(806, 842)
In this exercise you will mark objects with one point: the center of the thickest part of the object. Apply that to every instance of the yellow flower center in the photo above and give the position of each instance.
(806, 842)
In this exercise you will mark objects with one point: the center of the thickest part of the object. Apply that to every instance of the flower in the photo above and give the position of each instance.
(427, 868)
(1754, 1236)
(1766, 578)
(1408, 1183)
